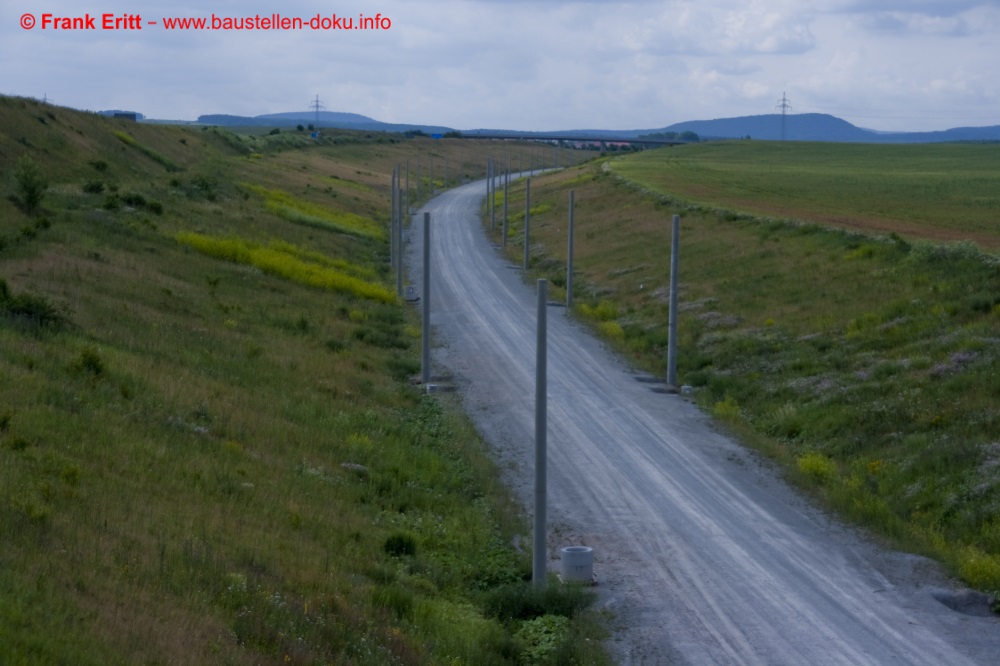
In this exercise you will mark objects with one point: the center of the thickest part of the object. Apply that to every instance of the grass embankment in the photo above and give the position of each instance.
(866, 365)
(204, 460)
(940, 192)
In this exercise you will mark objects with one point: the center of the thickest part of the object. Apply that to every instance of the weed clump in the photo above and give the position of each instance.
(112, 202)
(379, 338)
(603, 311)
(93, 186)
(542, 638)
(400, 544)
(89, 362)
(524, 601)
(817, 467)
(17, 443)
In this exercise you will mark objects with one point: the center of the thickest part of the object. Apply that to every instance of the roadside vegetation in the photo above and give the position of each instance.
(863, 359)
(210, 450)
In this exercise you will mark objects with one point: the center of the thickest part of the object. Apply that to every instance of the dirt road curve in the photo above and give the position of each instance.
(702, 553)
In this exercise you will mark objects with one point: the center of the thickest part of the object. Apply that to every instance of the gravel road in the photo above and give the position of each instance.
(703, 554)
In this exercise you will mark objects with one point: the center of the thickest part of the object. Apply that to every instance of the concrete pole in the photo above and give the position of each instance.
(569, 256)
(425, 374)
(419, 187)
(541, 445)
(672, 321)
(392, 224)
(527, 219)
(407, 207)
(399, 250)
(493, 195)
(506, 186)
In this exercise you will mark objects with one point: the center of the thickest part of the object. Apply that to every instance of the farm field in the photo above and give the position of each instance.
(865, 364)
(942, 192)
(210, 449)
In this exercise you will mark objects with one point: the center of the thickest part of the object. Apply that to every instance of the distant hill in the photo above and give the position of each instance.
(822, 127)
(956, 134)
(333, 119)
(326, 118)
(798, 127)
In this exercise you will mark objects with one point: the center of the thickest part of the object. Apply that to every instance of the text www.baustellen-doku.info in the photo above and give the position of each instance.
(87, 21)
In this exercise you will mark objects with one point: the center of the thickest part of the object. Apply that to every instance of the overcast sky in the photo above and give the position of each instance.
(514, 64)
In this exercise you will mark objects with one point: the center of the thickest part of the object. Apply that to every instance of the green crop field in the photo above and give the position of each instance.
(865, 364)
(939, 192)
(210, 449)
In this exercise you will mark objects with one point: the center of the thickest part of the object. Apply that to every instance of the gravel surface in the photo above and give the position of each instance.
(702, 553)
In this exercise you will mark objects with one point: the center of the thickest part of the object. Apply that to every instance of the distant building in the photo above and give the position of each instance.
(124, 114)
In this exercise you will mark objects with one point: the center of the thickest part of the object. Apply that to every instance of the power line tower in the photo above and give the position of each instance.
(785, 108)
(316, 106)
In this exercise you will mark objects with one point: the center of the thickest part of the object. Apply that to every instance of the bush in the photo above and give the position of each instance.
(35, 310)
(93, 186)
(134, 199)
(30, 184)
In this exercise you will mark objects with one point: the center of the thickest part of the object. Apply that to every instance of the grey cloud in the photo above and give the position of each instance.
(941, 8)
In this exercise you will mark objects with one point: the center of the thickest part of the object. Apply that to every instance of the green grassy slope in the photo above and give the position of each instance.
(206, 456)
(866, 365)
(940, 192)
